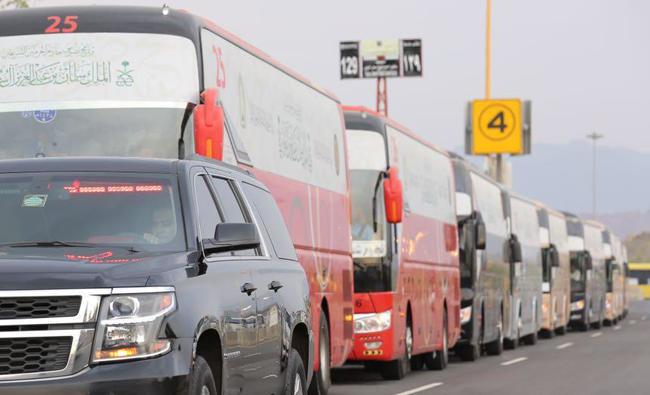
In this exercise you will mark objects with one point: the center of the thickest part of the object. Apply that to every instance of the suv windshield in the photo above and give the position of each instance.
(80, 129)
(134, 211)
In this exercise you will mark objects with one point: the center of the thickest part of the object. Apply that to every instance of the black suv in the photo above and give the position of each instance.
(137, 276)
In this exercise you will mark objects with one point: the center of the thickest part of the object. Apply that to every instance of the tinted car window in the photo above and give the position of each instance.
(100, 209)
(228, 202)
(208, 215)
(273, 221)
(231, 209)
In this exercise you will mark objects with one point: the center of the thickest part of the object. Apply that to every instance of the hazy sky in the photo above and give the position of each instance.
(585, 64)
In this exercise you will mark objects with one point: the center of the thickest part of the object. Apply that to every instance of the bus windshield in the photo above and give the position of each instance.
(108, 94)
(369, 226)
(128, 130)
(577, 272)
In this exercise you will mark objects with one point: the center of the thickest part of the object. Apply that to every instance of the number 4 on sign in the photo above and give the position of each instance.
(498, 123)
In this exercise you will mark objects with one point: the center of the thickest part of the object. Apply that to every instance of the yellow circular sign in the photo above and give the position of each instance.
(497, 122)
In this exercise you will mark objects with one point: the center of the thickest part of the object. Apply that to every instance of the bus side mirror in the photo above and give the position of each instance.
(209, 126)
(393, 197)
(481, 232)
(588, 262)
(515, 246)
(555, 256)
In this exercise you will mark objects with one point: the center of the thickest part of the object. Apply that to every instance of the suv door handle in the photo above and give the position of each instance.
(248, 288)
(275, 285)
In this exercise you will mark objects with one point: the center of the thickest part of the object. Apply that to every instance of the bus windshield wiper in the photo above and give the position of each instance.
(381, 176)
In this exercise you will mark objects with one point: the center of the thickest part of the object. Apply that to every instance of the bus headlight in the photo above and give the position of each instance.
(578, 305)
(465, 314)
(128, 326)
(372, 322)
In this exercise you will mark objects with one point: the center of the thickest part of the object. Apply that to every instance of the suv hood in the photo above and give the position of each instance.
(87, 271)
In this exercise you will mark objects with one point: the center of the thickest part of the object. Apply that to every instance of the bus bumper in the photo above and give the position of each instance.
(376, 346)
(379, 345)
(548, 319)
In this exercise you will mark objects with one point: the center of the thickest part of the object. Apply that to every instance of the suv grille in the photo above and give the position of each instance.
(33, 355)
(39, 307)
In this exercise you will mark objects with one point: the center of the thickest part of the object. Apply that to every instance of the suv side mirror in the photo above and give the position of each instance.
(588, 262)
(481, 232)
(209, 126)
(554, 255)
(393, 196)
(515, 249)
(232, 237)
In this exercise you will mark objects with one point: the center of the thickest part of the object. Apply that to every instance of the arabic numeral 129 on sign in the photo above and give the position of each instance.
(350, 65)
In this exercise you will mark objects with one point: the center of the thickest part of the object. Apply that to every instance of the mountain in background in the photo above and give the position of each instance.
(638, 247)
(560, 175)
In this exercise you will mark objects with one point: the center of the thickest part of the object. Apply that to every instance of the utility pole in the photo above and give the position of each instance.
(594, 137)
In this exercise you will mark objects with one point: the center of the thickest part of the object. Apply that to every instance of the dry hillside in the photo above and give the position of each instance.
(638, 247)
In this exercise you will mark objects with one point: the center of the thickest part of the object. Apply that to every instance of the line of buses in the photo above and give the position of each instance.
(410, 251)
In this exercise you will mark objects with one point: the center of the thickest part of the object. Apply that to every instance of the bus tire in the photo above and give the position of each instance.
(531, 339)
(495, 347)
(469, 352)
(441, 358)
(417, 362)
(322, 380)
(561, 330)
(398, 368)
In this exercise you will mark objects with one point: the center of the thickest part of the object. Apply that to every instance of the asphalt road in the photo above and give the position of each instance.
(613, 360)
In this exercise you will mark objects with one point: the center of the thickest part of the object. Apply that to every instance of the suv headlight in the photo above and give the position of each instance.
(128, 326)
(372, 322)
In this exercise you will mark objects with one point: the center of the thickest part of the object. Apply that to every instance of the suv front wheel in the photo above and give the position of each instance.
(296, 379)
(201, 380)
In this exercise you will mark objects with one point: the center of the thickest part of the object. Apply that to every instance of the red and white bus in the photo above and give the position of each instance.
(405, 246)
(157, 82)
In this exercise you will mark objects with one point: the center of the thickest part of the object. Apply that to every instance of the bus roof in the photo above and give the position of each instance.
(133, 19)
(394, 124)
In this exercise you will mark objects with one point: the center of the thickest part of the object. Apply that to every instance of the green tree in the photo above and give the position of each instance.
(4, 4)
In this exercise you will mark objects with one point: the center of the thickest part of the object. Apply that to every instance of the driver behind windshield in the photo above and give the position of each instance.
(163, 229)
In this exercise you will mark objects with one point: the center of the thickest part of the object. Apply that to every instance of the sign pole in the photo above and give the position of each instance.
(488, 31)
(382, 96)
(594, 136)
(487, 51)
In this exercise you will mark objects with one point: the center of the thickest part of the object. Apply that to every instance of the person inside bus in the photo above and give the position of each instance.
(362, 226)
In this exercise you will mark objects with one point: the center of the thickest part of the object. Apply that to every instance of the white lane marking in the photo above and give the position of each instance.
(420, 389)
(643, 318)
(597, 334)
(632, 322)
(513, 361)
(617, 327)
(565, 345)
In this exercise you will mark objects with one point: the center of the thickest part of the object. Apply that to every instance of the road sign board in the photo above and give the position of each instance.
(381, 58)
(412, 58)
(496, 127)
(349, 59)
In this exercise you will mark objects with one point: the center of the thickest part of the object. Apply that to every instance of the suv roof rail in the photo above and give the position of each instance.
(200, 158)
